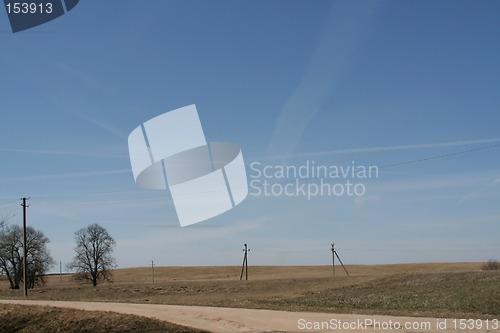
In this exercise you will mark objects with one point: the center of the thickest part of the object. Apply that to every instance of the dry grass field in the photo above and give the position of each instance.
(227, 273)
(436, 290)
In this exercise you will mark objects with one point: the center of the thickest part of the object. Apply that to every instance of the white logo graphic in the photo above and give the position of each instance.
(205, 179)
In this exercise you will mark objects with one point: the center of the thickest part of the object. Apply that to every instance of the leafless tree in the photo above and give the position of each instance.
(94, 260)
(3, 222)
(39, 259)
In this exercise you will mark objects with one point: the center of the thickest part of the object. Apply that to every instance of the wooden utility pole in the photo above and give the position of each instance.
(335, 254)
(333, 258)
(245, 263)
(25, 248)
(153, 271)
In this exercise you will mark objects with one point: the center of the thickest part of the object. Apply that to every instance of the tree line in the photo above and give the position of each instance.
(93, 260)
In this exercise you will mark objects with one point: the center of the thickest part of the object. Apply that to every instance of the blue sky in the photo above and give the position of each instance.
(411, 87)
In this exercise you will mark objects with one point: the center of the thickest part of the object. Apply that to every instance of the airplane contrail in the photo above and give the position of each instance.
(390, 148)
(68, 175)
(58, 152)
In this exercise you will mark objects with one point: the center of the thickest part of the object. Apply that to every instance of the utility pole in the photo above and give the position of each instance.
(25, 248)
(335, 254)
(245, 263)
(333, 258)
(60, 271)
(153, 271)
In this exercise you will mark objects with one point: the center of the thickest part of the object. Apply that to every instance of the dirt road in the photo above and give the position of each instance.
(229, 320)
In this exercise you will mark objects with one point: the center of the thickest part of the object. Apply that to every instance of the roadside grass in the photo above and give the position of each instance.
(452, 295)
(28, 319)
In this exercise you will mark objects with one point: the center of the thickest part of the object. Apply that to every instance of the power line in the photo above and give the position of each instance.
(284, 181)
(414, 161)
(430, 158)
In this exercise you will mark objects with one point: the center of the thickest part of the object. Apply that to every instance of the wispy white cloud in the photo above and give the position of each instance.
(156, 240)
(477, 193)
(109, 128)
(93, 82)
(83, 77)
(59, 152)
(348, 25)
(104, 209)
(428, 183)
(68, 175)
(380, 149)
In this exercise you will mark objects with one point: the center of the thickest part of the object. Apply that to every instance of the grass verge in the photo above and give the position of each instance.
(27, 319)
(452, 295)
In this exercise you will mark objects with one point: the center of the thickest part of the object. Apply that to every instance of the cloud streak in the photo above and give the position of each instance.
(83, 77)
(68, 175)
(57, 152)
(380, 149)
(348, 25)
(107, 127)
(478, 192)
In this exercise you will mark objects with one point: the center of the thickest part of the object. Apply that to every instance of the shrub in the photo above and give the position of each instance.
(491, 265)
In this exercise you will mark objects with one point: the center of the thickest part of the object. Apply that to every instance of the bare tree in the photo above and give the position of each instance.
(39, 259)
(93, 260)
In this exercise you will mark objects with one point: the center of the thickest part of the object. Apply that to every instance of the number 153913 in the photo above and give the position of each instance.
(29, 8)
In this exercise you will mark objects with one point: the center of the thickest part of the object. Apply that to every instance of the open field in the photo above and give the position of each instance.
(444, 290)
(169, 274)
